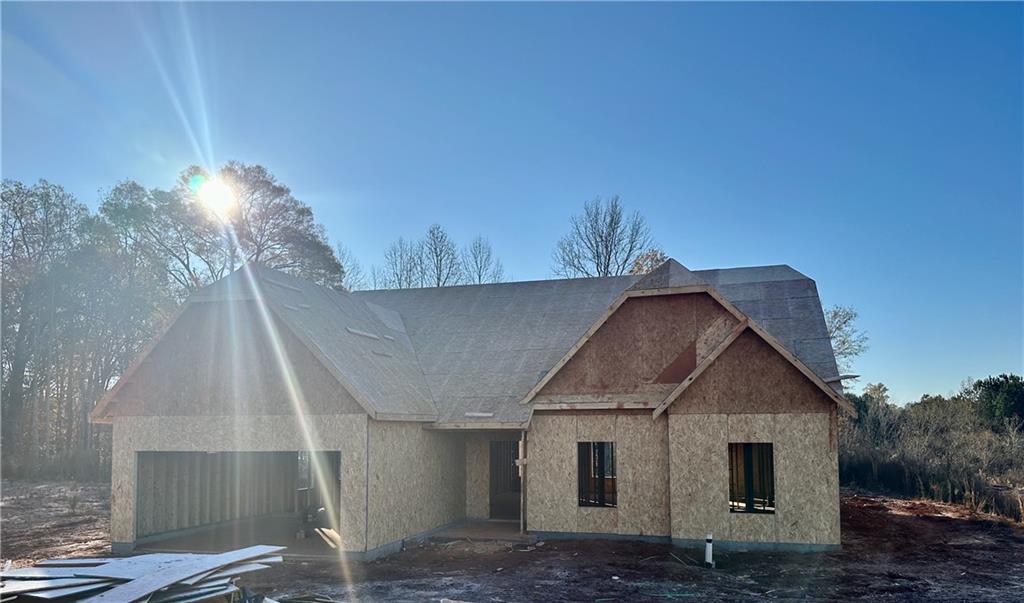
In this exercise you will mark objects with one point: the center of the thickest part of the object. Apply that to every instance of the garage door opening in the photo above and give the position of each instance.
(196, 501)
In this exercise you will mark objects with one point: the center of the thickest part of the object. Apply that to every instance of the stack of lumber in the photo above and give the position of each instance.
(156, 578)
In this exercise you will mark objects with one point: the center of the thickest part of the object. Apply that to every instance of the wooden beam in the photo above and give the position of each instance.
(721, 347)
(595, 405)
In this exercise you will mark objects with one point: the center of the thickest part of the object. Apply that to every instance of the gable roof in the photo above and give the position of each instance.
(364, 346)
(484, 348)
(466, 356)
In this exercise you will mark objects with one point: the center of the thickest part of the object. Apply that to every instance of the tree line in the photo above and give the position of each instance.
(967, 448)
(84, 291)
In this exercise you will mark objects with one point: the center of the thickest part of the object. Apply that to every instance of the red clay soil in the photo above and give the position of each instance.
(893, 550)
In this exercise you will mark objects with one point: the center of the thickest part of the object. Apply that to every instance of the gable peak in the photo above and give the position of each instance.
(669, 274)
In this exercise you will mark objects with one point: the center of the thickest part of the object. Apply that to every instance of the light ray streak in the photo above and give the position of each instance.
(307, 429)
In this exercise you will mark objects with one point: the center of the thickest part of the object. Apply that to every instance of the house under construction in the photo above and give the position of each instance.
(663, 406)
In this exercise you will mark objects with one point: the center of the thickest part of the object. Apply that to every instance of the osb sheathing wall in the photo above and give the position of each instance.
(343, 433)
(478, 476)
(219, 359)
(641, 449)
(417, 480)
(647, 341)
(751, 394)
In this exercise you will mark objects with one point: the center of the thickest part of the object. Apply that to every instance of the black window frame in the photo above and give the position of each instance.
(597, 485)
(752, 477)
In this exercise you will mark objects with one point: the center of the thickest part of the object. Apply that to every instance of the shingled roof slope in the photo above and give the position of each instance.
(483, 347)
(365, 345)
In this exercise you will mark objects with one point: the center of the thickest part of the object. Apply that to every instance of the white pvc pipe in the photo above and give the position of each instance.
(708, 546)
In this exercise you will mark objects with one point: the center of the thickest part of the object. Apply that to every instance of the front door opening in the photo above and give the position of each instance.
(506, 487)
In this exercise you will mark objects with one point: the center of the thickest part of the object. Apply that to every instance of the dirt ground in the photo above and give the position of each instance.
(893, 549)
(43, 520)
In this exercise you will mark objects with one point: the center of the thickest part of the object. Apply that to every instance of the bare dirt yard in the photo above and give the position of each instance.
(893, 549)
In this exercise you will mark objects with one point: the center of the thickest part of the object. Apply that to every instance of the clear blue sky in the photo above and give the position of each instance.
(875, 147)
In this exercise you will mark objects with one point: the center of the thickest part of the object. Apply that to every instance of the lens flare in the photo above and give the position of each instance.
(218, 197)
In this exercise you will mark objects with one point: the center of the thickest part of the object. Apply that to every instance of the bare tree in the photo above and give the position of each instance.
(480, 265)
(848, 341)
(271, 226)
(602, 241)
(442, 266)
(647, 261)
(352, 276)
(403, 266)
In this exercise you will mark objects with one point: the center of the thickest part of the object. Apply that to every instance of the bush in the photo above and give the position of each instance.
(946, 449)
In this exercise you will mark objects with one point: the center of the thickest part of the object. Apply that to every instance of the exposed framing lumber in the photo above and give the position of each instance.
(595, 405)
(477, 426)
(721, 347)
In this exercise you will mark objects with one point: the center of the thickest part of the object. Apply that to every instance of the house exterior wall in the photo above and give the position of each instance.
(641, 449)
(478, 476)
(673, 471)
(346, 434)
(647, 344)
(752, 394)
(806, 478)
(417, 480)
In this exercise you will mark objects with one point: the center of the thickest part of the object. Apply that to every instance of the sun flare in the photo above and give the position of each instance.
(218, 197)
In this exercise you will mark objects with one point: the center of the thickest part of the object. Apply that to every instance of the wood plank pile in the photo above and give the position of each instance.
(155, 578)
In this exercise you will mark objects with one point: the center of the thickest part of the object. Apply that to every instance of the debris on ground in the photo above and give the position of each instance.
(157, 578)
(894, 549)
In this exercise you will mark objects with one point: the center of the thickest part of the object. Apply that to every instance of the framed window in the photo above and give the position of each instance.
(751, 478)
(596, 474)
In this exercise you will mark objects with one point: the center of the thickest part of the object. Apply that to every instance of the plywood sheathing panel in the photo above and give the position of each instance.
(551, 474)
(807, 480)
(641, 473)
(344, 433)
(806, 477)
(643, 469)
(751, 377)
(478, 476)
(699, 467)
(417, 480)
(637, 343)
(219, 359)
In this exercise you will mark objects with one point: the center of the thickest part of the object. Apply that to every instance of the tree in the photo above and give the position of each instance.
(403, 266)
(353, 278)
(40, 226)
(647, 261)
(277, 230)
(602, 241)
(999, 398)
(171, 231)
(83, 293)
(479, 264)
(442, 266)
(848, 342)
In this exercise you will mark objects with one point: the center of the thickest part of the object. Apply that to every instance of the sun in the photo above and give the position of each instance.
(218, 197)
